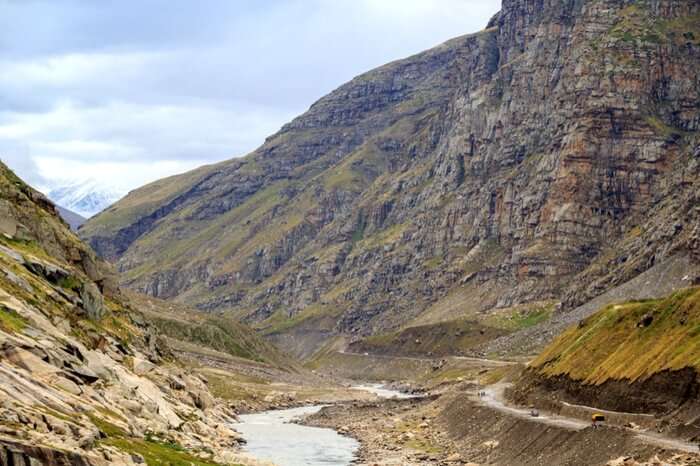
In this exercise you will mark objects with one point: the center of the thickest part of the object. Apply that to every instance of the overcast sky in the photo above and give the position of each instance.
(126, 92)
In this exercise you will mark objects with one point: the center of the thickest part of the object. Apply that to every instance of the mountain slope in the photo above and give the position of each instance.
(632, 341)
(84, 378)
(547, 158)
(72, 219)
(199, 333)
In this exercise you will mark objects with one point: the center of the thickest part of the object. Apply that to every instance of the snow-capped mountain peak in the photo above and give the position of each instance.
(86, 198)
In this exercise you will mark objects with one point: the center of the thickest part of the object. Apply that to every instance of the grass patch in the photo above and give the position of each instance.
(389, 235)
(521, 317)
(157, 452)
(419, 442)
(111, 414)
(108, 428)
(433, 263)
(212, 333)
(26, 246)
(359, 232)
(662, 128)
(70, 283)
(450, 375)
(637, 23)
(497, 374)
(154, 451)
(440, 339)
(279, 322)
(57, 414)
(221, 387)
(630, 341)
(10, 321)
(682, 30)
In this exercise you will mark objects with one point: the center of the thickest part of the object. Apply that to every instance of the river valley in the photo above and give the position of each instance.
(276, 437)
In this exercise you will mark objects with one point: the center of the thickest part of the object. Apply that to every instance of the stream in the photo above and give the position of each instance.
(272, 436)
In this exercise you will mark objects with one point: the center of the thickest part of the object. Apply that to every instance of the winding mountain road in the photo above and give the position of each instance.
(485, 362)
(494, 398)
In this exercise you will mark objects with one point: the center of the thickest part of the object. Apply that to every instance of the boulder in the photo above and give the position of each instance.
(67, 385)
(11, 227)
(100, 364)
(176, 383)
(133, 406)
(142, 367)
(83, 373)
(28, 361)
(202, 399)
(51, 272)
(12, 254)
(93, 301)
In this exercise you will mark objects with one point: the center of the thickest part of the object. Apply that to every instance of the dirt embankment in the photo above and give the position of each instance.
(660, 394)
(486, 436)
(669, 399)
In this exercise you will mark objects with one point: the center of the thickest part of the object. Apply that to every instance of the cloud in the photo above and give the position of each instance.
(16, 156)
(102, 86)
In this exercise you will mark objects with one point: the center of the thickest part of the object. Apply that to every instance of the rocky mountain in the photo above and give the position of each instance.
(73, 220)
(85, 198)
(85, 378)
(533, 165)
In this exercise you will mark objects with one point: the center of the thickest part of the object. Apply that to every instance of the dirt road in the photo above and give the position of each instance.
(485, 362)
(494, 398)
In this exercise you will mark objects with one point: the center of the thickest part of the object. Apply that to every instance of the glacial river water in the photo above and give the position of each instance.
(272, 436)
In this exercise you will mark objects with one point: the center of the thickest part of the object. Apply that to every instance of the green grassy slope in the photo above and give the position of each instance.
(196, 330)
(630, 341)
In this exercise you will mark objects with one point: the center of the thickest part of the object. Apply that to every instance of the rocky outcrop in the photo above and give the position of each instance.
(93, 302)
(12, 453)
(84, 378)
(549, 157)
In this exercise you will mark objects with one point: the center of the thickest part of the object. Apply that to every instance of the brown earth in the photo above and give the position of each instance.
(660, 394)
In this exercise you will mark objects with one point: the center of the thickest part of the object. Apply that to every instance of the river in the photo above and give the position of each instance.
(272, 436)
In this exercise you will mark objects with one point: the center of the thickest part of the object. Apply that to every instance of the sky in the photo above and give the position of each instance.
(124, 92)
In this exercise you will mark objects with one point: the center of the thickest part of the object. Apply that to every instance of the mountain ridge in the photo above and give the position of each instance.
(71, 218)
(497, 170)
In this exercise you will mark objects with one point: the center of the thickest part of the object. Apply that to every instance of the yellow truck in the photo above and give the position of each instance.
(597, 420)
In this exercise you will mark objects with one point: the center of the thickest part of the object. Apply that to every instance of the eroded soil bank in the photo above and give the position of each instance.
(671, 396)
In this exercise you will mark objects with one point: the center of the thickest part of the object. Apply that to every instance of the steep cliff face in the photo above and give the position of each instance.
(545, 158)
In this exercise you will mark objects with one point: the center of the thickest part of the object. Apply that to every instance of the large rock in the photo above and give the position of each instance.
(142, 367)
(27, 361)
(93, 301)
